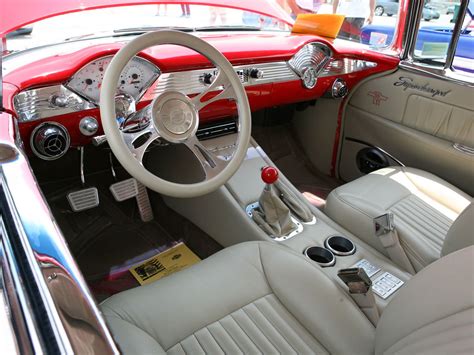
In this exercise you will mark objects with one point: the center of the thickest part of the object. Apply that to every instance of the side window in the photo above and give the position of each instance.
(445, 37)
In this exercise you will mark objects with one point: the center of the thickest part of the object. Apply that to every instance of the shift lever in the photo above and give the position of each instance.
(273, 216)
(290, 199)
(269, 176)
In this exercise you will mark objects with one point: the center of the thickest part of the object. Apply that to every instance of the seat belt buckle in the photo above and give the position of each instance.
(356, 279)
(384, 224)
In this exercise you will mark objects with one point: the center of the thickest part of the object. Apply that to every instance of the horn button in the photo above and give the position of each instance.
(175, 117)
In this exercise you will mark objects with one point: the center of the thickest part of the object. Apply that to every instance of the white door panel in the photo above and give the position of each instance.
(415, 118)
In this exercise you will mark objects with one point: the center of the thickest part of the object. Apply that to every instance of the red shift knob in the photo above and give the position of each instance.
(269, 174)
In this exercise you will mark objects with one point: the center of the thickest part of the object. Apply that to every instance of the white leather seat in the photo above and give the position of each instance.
(424, 208)
(260, 297)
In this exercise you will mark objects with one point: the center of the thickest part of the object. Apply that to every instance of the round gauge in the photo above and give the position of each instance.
(88, 80)
(309, 77)
(136, 77)
(131, 80)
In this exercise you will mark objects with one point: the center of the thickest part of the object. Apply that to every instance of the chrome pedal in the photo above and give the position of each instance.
(144, 205)
(124, 190)
(83, 199)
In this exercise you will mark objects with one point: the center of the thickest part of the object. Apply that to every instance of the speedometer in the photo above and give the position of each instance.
(136, 77)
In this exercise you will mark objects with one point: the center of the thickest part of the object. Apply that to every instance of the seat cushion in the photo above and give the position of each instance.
(254, 297)
(424, 208)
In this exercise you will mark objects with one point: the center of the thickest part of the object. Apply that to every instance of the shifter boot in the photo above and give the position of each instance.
(293, 202)
(273, 216)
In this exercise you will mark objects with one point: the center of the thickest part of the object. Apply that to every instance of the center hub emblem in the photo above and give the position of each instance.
(177, 116)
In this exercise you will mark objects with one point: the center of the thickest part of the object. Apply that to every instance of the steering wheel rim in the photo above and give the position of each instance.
(115, 136)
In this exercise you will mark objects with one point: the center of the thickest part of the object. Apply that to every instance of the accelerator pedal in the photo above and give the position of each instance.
(144, 205)
(83, 199)
(130, 188)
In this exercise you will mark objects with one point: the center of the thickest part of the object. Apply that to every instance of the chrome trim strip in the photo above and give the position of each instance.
(25, 329)
(437, 72)
(61, 337)
(344, 66)
(414, 14)
(190, 82)
(44, 244)
(455, 36)
(36, 104)
(463, 148)
(410, 63)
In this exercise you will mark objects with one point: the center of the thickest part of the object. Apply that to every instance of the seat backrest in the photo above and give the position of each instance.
(461, 233)
(434, 311)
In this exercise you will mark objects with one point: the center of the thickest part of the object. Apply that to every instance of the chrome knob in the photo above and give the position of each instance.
(339, 89)
(58, 100)
(88, 126)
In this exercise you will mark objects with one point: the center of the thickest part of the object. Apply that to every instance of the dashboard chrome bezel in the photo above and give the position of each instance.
(155, 69)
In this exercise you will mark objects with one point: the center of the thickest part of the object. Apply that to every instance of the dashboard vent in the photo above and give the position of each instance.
(217, 129)
(50, 141)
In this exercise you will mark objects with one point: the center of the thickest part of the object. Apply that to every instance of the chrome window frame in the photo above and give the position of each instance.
(443, 71)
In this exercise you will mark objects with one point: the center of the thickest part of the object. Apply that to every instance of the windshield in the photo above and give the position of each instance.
(131, 20)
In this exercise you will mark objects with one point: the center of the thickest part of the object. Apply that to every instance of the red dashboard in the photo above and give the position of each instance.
(266, 51)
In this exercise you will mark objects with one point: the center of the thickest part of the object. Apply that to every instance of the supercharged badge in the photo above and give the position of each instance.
(408, 83)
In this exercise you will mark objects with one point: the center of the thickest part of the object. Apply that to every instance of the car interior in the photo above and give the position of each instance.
(324, 191)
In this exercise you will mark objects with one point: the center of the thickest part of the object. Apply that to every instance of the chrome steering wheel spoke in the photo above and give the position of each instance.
(210, 162)
(149, 134)
(221, 82)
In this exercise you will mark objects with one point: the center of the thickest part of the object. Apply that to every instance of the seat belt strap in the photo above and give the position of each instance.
(388, 236)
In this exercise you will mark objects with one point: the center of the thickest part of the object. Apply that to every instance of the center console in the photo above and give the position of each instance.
(226, 215)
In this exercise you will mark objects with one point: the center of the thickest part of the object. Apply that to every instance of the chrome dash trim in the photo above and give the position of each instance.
(190, 82)
(315, 55)
(36, 104)
(345, 66)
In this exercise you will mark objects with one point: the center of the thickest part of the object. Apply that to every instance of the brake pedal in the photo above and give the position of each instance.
(125, 189)
(83, 199)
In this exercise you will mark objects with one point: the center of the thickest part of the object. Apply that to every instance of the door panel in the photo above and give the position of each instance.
(415, 118)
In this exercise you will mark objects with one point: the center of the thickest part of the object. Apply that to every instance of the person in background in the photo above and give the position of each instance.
(186, 11)
(165, 6)
(357, 13)
(296, 7)
(217, 11)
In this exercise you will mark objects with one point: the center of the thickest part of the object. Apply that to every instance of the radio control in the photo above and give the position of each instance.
(255, 73)
(207, 78)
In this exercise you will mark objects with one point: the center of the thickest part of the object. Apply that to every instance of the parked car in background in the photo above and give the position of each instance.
(390, 8)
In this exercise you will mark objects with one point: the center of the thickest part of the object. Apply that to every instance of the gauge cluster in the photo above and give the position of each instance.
(136, 77)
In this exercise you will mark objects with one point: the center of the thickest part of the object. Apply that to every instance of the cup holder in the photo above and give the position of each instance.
(322, 256)
(340, 245)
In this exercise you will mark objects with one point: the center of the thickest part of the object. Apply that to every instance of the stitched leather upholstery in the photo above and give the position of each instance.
(262, 298)
(424, 207)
